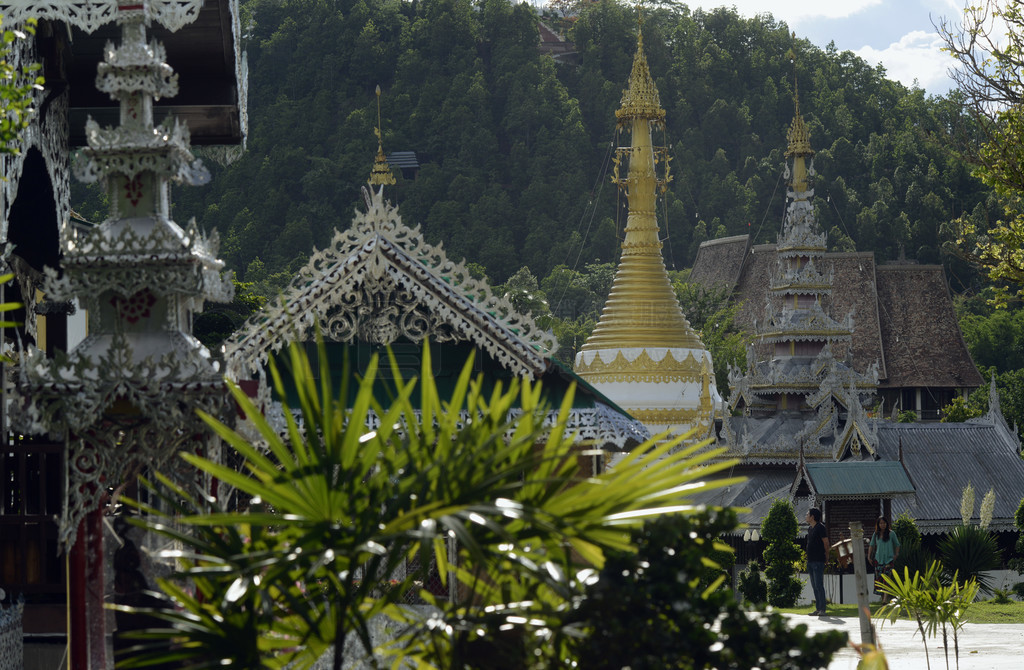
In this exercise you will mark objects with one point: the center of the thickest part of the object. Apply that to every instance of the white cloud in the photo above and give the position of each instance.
(791, 11)
(916, 55)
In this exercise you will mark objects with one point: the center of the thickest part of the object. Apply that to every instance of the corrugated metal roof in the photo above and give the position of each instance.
(943, 458)
(859, 478)
(403, 159)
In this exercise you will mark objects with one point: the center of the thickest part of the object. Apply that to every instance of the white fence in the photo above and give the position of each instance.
(842, 589)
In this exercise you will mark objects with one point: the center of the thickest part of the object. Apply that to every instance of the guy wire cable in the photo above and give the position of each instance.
(596, 191)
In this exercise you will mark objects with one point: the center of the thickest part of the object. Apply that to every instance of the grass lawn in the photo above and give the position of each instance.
(979, 612)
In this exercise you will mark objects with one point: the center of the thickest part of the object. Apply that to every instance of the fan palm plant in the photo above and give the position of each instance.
(933, 605)
(970, 552)
(337, 507)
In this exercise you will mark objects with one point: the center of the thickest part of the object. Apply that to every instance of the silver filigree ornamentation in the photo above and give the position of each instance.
(91, 14)
(380, 280)
(125, 398)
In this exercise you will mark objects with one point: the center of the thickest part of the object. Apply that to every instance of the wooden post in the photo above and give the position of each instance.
(860, 569)
(88, 644)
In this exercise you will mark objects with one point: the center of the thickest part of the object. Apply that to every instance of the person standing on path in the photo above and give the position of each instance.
(817, 554)
(882, 552)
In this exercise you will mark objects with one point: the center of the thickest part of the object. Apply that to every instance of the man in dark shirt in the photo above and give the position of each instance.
(817, 554)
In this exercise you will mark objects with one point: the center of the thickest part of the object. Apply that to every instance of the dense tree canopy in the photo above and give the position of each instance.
(514, 146)
(988, 44)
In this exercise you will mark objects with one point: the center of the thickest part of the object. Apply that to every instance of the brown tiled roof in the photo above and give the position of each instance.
(719, 262)
(905, 301)
(752, 286)
(854, 287)
(920, 333)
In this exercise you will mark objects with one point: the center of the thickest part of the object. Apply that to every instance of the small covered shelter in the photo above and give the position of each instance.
(848, 491)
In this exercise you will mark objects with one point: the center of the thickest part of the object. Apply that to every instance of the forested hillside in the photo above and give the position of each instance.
(514, 147)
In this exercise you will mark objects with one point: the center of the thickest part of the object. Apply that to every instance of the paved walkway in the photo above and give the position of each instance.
(982, 646)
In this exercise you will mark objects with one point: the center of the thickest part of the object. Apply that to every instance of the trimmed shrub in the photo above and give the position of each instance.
(753, 588)
(782, 554)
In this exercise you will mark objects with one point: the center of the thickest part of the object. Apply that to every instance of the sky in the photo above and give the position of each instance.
(899, 34)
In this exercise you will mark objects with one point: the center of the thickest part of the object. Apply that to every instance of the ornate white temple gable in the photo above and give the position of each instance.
(379, 281)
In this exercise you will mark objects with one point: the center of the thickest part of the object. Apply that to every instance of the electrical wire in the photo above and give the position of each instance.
(597, 189)
(769, 206)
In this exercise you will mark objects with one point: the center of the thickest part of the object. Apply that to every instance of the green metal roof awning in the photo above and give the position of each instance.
(859, 479)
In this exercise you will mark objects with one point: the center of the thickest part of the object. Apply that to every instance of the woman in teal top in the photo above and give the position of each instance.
(882, 551)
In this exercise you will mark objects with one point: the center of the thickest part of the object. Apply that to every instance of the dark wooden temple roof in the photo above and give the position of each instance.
(903, 313)
(205, 56)
(920, 333)
(719, 261)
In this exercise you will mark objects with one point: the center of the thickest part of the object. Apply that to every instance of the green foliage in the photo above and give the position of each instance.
(1017, 563)
(713, 316)
(513, 145)
(959, 411)
(781, 556)
(649, 609)
(913, 556)
(907, 416)
(337, 507)
(752, 587)
(218, 321)
(524, 294)
(906, 529)
(1001, 596)
(1010, 387)
(934, 606)
(993, 336)
(987, 42)
(970, 551)
(17, 85)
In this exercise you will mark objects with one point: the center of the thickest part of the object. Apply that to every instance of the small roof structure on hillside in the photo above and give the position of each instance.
(903, 315)
(922, 342)
(720, 262)
(403, 160)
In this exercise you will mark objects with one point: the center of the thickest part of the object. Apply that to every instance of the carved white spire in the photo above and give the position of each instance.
(126, 397)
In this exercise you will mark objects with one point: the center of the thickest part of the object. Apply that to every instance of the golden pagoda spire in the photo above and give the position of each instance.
(799, 148)
(642, 309)
(380, 174)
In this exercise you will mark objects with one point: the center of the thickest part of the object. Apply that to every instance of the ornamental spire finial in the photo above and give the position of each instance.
(380, 174)
(798, 139)
(640, 99)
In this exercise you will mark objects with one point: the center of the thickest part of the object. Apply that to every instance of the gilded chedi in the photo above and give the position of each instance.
(643, 354)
